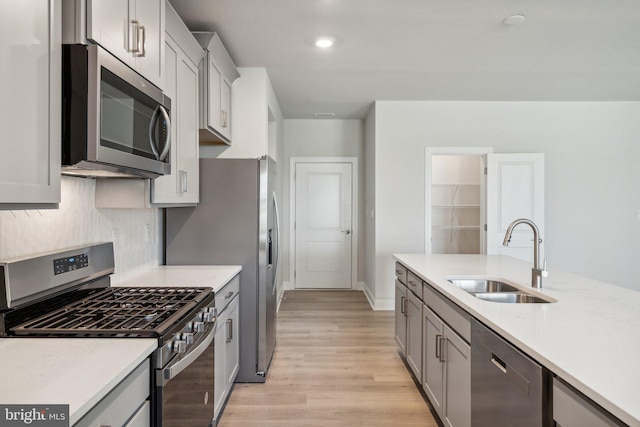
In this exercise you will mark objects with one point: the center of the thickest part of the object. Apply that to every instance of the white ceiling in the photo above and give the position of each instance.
(565, 50)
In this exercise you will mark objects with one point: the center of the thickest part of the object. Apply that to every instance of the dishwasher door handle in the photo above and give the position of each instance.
(511, 373)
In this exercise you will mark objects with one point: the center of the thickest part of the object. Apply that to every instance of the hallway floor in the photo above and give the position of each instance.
(335, 364)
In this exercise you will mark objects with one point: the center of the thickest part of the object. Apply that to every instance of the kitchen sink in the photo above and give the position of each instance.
(496, 291)
(510, 297)
(483, 285)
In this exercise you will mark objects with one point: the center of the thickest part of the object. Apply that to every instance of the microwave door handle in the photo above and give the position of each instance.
(152, 137)
(167, 140)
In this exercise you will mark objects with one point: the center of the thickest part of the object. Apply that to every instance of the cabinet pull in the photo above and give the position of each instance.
(499, 363)
(398, 272)
(406, 307)
(412, 283)
(402, 299)
(443, 348)
(438, 346)
(134, 43)
(229, 330)
(183, 181)
(142, 42)
(223, 118)
(229, 295)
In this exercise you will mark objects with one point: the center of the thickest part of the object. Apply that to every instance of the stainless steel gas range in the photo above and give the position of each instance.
(67, 293)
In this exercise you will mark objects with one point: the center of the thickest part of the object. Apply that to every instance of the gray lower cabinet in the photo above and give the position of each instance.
(571, 409)
(227, 343)
(414, 334)
(126, 405)
(401, 317)
(446, 366)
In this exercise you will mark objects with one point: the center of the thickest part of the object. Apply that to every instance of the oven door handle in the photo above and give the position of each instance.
(187, 359)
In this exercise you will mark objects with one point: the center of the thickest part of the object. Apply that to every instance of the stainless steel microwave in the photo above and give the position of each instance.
(114, 122)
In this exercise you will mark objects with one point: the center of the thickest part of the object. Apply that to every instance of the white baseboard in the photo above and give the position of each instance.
(286, 286)
(378, 303)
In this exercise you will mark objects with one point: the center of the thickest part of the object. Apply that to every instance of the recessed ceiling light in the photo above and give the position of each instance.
(513, 19)
(324, 115)
(324, 42)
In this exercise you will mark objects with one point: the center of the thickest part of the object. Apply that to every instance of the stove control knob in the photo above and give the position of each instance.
(187, 337)
(179, 346)
(198, 326)
(209, 317)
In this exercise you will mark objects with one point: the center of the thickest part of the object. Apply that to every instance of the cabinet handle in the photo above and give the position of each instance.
(402, 304)
(412, 283)
(398, 272)
(183, 181)
(229, 295)
(223, 118)
(406, 307)
(229, 330)
(443, 348)
(142, 40)
(438, 346)
(134, 44)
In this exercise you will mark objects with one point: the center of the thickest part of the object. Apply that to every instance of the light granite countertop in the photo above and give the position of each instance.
(213, 276)
(74, 371)
(588, 337)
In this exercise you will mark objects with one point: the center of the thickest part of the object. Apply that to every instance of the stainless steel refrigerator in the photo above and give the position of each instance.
(236, 222)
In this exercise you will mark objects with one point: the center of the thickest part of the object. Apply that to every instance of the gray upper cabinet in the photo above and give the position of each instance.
(30, 45)
(131, 30)
(217, 74)
(182, 56)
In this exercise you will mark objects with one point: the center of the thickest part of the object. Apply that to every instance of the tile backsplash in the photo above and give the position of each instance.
(136, 233)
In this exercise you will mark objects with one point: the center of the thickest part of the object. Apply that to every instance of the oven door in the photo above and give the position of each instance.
(184, 388)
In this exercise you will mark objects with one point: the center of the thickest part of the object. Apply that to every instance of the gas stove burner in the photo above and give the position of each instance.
(133, 311)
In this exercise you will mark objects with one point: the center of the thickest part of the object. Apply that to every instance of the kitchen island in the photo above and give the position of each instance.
(587, 337)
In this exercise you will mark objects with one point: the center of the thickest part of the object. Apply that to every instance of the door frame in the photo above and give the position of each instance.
(451, 151)
(293, 162)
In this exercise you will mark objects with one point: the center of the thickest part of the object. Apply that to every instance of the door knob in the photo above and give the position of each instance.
(346, 231)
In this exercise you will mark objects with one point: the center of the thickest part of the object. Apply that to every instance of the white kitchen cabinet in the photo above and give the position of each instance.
(446, 371)
(401, 317)
(227, 344)
(217, 74)
(182, 55)
(572, 409)
(132, 30)
(31, 51)
(126, 405)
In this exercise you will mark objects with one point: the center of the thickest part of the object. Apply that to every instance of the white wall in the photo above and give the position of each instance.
(78, 222)
(251, 98)
(592, 157)
(323, 138)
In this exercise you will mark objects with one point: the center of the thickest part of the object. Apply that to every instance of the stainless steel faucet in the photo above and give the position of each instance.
(537, 273)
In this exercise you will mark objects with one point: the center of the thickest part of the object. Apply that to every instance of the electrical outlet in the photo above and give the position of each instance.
(147, 233)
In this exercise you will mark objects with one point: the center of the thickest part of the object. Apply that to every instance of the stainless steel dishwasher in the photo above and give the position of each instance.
(507, 387)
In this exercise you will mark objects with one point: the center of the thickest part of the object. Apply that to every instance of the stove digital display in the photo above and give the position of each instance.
(63, 265)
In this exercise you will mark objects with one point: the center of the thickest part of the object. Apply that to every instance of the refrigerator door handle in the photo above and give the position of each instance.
(277, 239)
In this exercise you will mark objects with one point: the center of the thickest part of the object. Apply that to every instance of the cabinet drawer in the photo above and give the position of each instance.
(572, 410)
(414, 283)
(122, 402)
(454, 316)
(225, 295)
(401, 273)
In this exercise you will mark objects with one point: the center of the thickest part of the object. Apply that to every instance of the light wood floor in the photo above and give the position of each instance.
(335, 364)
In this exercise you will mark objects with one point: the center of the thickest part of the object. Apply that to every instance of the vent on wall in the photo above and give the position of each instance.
(324, 115)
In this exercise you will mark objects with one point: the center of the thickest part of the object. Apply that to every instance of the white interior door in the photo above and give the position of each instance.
(323, 226)
(515, 189)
